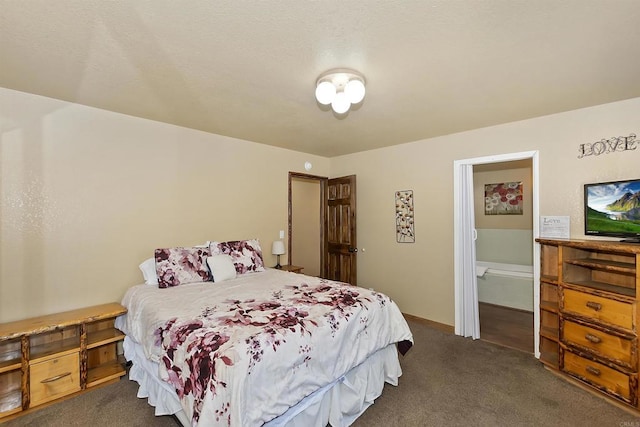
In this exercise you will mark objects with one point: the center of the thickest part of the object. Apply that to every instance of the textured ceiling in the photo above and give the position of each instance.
(247, 69)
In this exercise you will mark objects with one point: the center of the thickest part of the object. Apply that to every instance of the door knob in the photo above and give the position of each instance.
(352, 250)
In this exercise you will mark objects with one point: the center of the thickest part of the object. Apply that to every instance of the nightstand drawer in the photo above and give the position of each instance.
(607, 379)
(54, 378)
(617, 349)
(598, 308)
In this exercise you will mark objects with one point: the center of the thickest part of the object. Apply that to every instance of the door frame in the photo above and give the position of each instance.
(323, 181)
(457, 224)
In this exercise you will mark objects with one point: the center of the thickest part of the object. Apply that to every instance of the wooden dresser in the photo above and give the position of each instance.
(49, 357)
(589, 316)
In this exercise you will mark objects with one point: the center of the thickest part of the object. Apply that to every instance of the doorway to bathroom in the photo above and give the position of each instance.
(504, 252)
(467, 318)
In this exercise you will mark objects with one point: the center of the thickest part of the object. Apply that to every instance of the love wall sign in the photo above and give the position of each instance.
(606, 146)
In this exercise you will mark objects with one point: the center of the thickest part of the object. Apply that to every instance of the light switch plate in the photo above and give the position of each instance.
(282, 234)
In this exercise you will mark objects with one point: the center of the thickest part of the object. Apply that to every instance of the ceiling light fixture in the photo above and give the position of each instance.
(340, 88)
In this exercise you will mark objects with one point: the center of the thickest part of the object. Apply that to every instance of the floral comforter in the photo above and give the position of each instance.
(241, 352)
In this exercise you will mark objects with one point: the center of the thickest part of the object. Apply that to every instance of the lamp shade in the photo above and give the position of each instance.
(277, 248)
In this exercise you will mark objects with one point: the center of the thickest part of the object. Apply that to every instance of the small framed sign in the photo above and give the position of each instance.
(555, 227)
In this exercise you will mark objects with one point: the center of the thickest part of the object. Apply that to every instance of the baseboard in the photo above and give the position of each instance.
(436, 325)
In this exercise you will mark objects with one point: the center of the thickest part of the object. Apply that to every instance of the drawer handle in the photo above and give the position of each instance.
(56, 378)
(594, 305)
(594, 339)
(594, 371)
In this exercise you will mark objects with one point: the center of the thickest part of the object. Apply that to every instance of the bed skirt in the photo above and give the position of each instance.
(338, 403)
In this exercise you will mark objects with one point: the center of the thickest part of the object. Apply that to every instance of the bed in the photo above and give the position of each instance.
(266, 347)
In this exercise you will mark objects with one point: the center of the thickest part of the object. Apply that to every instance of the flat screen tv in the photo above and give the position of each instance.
(612, 209)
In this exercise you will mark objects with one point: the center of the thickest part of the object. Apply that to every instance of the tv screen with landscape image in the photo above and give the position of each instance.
(612, 209)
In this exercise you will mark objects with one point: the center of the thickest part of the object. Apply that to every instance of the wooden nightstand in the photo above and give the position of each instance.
(292, 268)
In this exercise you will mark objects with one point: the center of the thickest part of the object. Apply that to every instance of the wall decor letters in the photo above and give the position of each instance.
(606, 146)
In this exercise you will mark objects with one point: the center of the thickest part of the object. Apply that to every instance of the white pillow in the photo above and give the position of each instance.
(148, 268)
(221, 267)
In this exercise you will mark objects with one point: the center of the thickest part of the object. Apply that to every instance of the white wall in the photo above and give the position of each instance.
(419, 276)
(87, 194)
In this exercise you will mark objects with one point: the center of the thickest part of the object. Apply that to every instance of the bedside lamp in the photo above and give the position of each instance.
(278, 249)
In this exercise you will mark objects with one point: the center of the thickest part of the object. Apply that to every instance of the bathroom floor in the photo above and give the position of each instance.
(506, 326)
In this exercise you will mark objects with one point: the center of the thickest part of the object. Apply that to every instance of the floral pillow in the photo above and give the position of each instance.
(177, 266)
(246, 254)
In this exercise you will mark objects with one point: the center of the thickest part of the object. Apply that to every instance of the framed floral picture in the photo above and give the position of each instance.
(405, 232)
(504, 198)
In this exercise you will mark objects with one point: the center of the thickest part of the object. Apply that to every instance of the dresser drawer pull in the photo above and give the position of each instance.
(593, 371)
(594, 305)
(592, 338)
(56, 378)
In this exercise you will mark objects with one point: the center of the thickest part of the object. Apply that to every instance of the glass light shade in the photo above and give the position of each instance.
(355, 91)
(325, 92)
(341, 103)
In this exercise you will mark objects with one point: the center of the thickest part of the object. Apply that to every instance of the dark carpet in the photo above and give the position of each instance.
(447, 381)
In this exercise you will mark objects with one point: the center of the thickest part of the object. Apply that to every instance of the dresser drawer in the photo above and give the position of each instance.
(616, 383)
(612, 347)
(54, 378)
(598, 308)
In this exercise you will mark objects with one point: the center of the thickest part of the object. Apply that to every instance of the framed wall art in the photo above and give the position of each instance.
(405, 231)
(504, 198)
